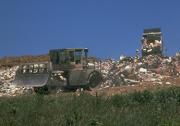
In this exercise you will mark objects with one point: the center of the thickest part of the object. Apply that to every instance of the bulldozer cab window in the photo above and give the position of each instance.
(54, 56)
(71, 56)
(57, 57)
(68, 56)
(78, 55)
(61, 55)
(64, 57)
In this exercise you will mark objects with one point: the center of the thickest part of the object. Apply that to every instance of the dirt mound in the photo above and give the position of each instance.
(13, 61)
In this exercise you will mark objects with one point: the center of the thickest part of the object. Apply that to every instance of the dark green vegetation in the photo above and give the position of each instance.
(160, 108)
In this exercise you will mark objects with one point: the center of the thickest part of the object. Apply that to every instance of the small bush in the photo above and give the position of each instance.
(142, 97)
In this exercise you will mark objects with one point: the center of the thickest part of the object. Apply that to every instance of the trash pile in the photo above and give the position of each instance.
(6, 87)
(152, 42)
(153, 69)
(133, 70)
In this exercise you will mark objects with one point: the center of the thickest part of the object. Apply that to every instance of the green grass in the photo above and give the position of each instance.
(159, 108)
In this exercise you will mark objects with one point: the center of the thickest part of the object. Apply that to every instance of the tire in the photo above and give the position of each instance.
(94, 79)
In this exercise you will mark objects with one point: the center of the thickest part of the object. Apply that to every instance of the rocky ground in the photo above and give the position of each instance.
(7, 88)
(124, 75)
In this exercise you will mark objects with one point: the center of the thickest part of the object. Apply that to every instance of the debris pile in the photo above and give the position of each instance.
(6, 78)
(132, 70)
(152, 42)
(151, 69)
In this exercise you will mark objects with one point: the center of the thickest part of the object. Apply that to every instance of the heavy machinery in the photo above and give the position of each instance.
(152, 43)
(68, 68)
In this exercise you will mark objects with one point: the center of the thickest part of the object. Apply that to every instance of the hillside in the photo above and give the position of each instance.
(125, 75)
(13, 61)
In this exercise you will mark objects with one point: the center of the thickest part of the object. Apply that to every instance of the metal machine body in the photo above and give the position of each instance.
(152, 42)
(67, 68)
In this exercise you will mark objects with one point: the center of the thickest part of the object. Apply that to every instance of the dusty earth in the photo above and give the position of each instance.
(110, 91)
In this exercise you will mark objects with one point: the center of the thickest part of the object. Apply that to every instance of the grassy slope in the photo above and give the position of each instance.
(139, 108)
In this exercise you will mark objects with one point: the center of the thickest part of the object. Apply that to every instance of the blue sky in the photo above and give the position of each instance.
(108, 28)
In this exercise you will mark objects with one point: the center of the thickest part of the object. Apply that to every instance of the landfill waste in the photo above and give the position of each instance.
(133, 70)
(152, 42)
(7, 88)
(128, 71)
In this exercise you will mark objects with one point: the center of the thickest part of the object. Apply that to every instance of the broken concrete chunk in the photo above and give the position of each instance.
(168, 83)
(143, 70)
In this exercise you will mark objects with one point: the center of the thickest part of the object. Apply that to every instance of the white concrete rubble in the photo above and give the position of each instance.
(7, 76)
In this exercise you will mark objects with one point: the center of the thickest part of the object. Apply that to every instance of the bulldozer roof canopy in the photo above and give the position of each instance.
(68, 49)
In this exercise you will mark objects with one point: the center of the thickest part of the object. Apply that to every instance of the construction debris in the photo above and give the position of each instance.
(152, 42)
(6, 87)
(128, 71)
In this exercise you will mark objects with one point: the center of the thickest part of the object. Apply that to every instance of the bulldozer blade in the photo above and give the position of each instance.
(31, 80)
(32, 75)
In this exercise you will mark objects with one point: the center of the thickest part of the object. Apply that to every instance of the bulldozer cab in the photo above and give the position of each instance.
(62, 59)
